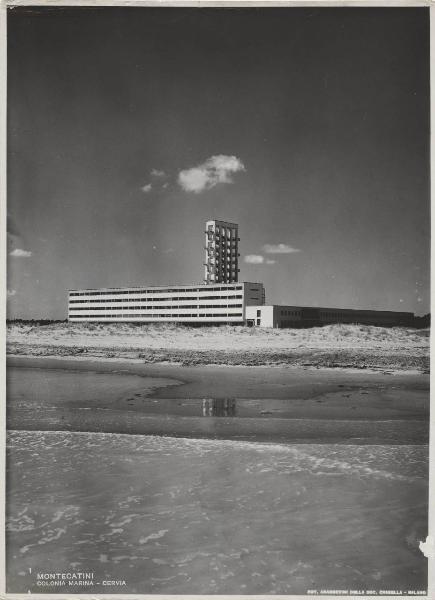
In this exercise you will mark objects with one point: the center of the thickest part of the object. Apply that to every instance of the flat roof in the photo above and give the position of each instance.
(220, 222)
(166, 287)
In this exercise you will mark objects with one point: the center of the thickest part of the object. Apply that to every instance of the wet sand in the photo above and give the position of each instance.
(263, 404)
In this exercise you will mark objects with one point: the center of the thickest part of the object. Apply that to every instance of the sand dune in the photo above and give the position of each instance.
(357, 346)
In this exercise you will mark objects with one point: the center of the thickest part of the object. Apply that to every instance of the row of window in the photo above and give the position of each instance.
(124, 300)
(171, 307)
(214, 277)
(156, 291)
(351, 315)
(228, 255)
(224, 231)
(104, 300)
(217, 269)
(162, 316)
(222, 275)
(336, 315)
(217, 266)
(221, 243)
(353, 318)
(222, 247)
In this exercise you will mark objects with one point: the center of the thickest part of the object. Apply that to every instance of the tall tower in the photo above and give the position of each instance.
(221, 252)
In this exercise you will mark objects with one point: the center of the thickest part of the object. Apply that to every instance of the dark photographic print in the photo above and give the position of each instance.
(218, 300)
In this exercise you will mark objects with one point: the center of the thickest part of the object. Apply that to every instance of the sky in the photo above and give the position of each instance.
(129, 128)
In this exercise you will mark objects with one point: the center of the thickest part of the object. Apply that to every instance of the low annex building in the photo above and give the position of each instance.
(304, 316)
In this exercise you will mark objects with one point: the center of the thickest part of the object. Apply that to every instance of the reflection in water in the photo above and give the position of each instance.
(220, 407)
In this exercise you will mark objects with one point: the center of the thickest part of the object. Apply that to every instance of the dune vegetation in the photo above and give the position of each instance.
(351, 346)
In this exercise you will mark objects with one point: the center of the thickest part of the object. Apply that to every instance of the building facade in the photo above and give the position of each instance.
(221, 252)
(189, 304)
(305, 316)
(221, 300)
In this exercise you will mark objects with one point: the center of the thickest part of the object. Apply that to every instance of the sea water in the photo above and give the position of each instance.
(152, 514)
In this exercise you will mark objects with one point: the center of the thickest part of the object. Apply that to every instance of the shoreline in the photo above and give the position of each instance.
(246, 443)
(286, 404)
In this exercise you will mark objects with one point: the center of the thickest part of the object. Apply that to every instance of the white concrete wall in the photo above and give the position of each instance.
(265, 316)
(197, 304)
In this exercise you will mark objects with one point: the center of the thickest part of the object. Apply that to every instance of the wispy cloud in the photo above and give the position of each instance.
(11, 293)
(279, 249)
(20, 253)
(157, 183)
(258, 259)
(254, 259)
(216, 169)
(157, 173)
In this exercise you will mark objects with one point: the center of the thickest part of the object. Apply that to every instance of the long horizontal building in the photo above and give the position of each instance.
(305, 316)
(222, 300)
(202, 304)
(236, 303)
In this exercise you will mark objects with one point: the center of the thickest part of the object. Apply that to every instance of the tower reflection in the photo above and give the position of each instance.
(220, 407)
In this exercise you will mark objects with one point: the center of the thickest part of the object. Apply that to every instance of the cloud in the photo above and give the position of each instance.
(157, 173)
(216, 169)
(254, 259)
(11, 293)
(279, 249)
(158, 182)
(258, 259)
(20, 253)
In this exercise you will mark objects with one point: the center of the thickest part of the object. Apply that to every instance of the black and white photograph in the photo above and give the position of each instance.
(218, 300)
